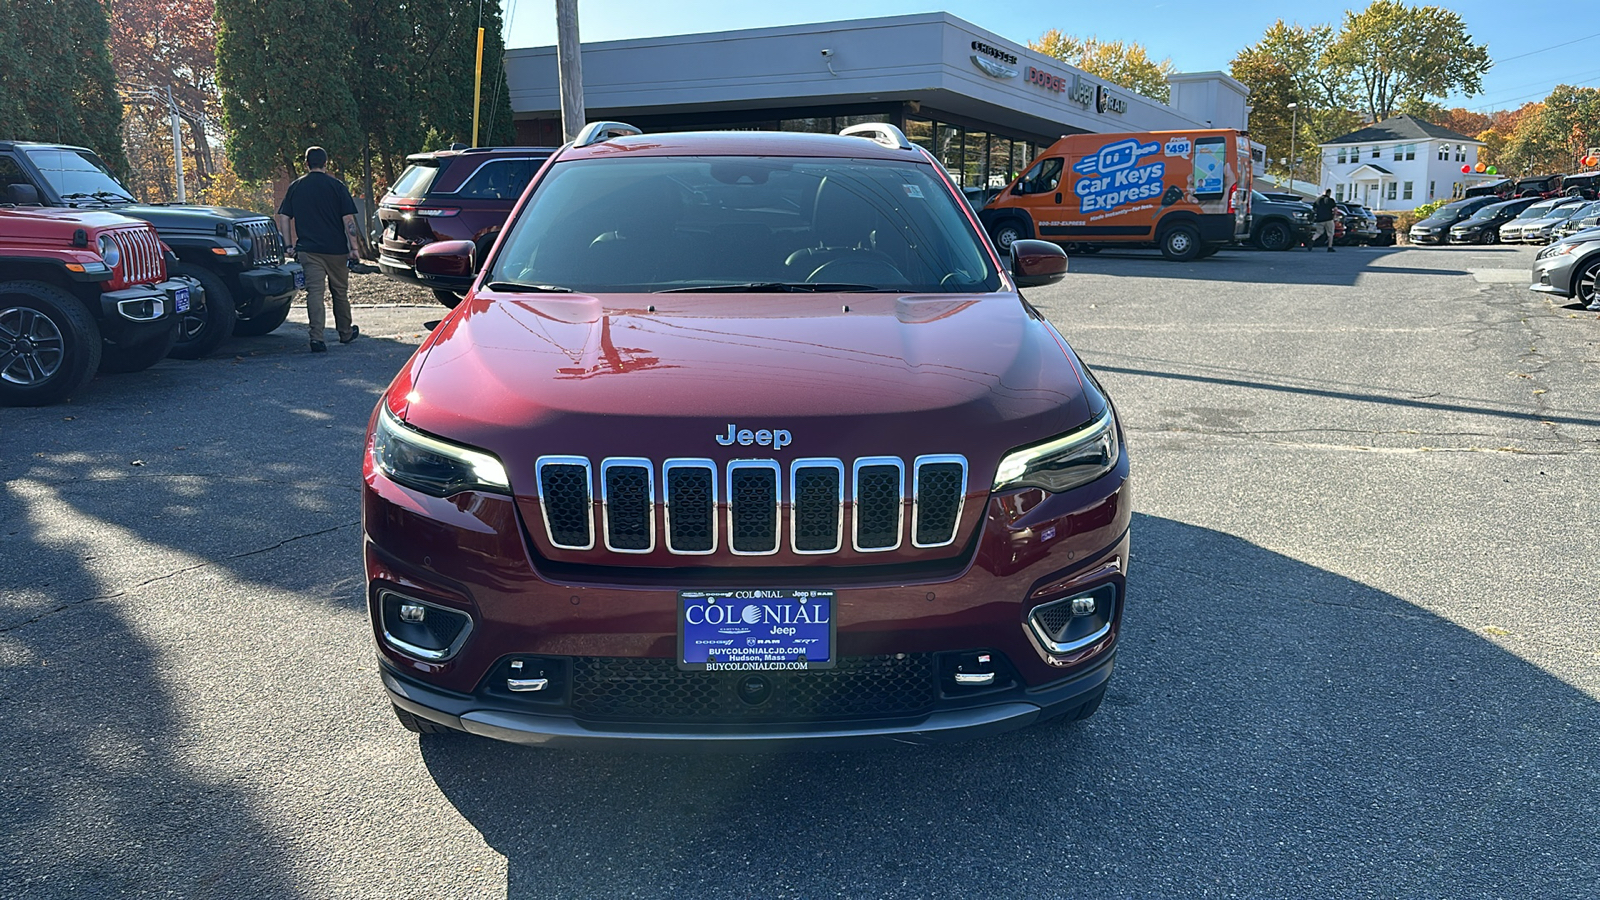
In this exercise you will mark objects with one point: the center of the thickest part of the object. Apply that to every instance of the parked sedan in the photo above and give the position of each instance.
(1568, 268)
(1587, 216)
(1435, 229)
(1511, 232)
(1542, 231)
(1483, 226)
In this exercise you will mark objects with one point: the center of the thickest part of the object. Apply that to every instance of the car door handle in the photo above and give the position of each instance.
(1058, 197)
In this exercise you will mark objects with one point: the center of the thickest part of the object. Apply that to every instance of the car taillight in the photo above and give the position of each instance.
(435, 211)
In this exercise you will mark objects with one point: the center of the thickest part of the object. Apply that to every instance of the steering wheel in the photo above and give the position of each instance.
(854, 270)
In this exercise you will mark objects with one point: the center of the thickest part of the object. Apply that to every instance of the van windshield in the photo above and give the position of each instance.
(632, 225)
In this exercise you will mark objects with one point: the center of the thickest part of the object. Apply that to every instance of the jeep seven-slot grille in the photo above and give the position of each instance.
(760, 511)
(141, 261)
(654, 689)
(266, 244)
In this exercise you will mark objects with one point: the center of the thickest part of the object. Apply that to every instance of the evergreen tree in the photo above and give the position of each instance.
(56, 81)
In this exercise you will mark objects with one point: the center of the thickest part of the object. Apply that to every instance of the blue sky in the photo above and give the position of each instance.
(1196, 36)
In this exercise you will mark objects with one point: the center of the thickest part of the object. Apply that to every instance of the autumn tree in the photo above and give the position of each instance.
(1287, 66)
(56, 80)
(1126, 63)
(1390, 53)
(158, 45)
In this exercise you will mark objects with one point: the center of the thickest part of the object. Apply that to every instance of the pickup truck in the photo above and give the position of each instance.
(237, 255)
(81, 291)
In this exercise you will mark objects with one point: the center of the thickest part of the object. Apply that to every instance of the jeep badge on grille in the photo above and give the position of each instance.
(776, 438)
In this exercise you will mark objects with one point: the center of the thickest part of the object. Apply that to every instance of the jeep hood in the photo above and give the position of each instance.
(663, 375)
(197, 219)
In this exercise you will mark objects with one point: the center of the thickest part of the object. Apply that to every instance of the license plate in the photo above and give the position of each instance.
(180, 299)
(300, 279)
(755, 630)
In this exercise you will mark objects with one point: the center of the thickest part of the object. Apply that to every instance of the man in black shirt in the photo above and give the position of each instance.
(322, 227)
(1322, 213)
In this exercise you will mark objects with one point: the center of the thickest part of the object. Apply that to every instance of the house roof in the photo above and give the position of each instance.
(1400, 128)
(1379, 169)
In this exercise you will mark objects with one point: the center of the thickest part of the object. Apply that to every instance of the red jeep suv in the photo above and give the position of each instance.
(744, 439)
(451, 195)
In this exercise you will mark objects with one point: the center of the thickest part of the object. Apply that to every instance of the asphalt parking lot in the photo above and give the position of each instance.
(1361, 659)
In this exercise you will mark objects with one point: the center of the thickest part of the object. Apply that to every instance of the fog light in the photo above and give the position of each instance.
(1082, 606)
(413, 612)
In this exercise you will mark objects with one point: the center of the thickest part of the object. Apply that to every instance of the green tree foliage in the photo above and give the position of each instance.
(281, 65)
(1392, 53)
(388, 74)
(1285, 67)
(56, 81)
(1119, 62)
(1553, 135)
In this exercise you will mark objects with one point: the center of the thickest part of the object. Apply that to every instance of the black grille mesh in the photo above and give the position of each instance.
(566, 503)
(877, 507)
(689, 508)
(1054, 617)
(816, 508)
(628, 507)
(938, 500)
(753, 495)
(655, 689)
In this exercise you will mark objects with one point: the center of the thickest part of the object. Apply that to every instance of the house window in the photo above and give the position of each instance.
(1444, 152)
(1411, 151)
(1406, 194)
(1341, 154)
(1399, 152)
(1376, 151)
(1392, 187)
(1430, 190)
(1338, 192)
(1461, 153)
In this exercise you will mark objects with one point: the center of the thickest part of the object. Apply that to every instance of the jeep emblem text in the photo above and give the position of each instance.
(777, 438)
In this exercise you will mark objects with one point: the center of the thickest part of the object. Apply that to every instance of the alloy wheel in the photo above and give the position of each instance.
(31, 346)
(1584, 287)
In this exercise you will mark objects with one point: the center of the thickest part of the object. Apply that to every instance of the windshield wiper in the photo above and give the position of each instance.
(774, 287)
(518, 287)
(98, 195)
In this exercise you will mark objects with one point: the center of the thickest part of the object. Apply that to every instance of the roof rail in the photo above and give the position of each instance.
(595, 132)
(881, 132)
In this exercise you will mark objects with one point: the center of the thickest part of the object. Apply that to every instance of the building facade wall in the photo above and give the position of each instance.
(1419, 164)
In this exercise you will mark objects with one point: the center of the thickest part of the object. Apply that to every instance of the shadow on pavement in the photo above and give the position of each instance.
(1274, 729)
(1297, 266)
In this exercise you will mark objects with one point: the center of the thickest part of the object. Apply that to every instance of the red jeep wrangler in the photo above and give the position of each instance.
(81, 292)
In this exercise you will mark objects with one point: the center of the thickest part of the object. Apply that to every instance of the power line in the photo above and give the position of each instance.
(1543, 49)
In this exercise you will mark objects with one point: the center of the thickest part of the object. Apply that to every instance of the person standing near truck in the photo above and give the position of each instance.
(322, 228)
(1322, 213)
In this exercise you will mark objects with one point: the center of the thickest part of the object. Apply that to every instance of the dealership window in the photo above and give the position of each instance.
(1338, 192)
(1406, 194)
(809, 125)
(1392, 187)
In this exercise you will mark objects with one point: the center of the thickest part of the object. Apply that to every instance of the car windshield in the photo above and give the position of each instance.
(1565, 212)
(1450, 212)
(1487, 213)
(1536, 211)
(416, 179)
(763, 223)
(77, 175)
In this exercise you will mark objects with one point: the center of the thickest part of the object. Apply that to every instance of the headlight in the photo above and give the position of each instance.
(109, 251)
(242, 238)
(1556, 250)
(1063, 463)
(425, 463)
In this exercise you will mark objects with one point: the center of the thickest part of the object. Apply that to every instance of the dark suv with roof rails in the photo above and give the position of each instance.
(451, 195)
(236, 255)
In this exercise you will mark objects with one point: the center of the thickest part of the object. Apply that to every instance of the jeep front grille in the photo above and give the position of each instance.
(266, 245)
(757, 508)
(142, 261)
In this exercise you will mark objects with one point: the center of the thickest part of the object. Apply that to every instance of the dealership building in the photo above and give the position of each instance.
(982, 104)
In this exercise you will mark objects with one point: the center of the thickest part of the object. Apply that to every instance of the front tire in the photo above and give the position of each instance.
(1583, 284)
(448, 299)
(202, 331)
(1274, 236)
(49, 344)
(116, 359)
(1007, 232)
(1180, 243)
(1489, 236)
(264, 323)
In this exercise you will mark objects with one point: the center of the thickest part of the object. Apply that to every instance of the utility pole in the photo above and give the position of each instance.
(1294, 134)
(569, 65)
(177, 143)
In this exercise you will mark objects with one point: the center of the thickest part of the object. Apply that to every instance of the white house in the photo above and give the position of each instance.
(1400, 163)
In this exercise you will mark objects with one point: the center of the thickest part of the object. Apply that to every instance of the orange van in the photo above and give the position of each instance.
(1187, 192)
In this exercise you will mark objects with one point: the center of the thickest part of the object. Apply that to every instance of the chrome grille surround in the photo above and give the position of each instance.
(709, 516)
(797, 494)
(691, 492)
(874, 462)
(917, 466)
(610, 528)
(545, 462)
(142, 261)
(736, 510)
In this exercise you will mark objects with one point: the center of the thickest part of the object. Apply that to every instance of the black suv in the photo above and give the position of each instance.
(236, 255)
(1278, 224)
(452, 195)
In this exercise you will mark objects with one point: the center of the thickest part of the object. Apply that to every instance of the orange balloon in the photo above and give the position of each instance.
(1480, 167)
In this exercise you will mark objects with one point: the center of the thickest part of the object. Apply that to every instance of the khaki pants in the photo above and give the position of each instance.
(327, 271)
(1321, 228)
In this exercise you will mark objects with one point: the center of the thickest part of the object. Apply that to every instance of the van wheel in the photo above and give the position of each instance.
(1007, 232)
(201, 331)
(448, 298)
(1180, 243)
(49, 344)
(1274, 236)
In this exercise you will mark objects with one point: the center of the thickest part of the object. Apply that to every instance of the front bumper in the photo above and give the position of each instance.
(268, 287)
(1554, 275)
(144, 312)
(1423, 237)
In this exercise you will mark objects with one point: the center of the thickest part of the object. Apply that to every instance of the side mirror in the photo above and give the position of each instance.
(1037, 263)
(447, 264)
(22, 195)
